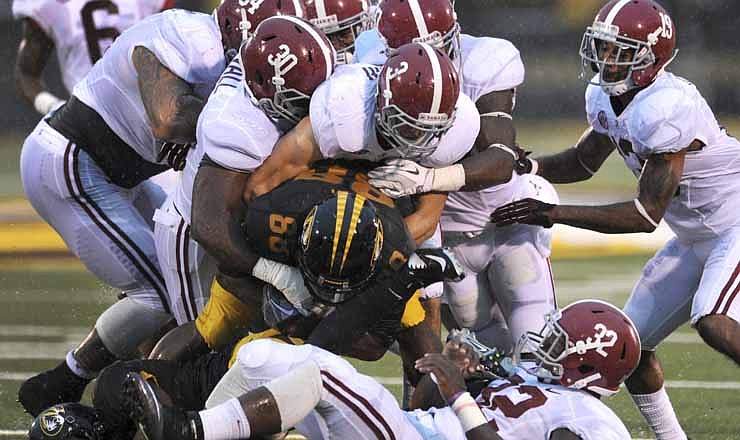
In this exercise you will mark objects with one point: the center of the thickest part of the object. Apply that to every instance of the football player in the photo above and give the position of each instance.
(84, 170)
(513, 288)
(243, 118)
(342, 21)
(582, 353)
(80, 31)
(688, 174)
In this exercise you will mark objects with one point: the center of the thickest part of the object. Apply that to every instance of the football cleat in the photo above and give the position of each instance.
(156, 420)
(434, 265)
(52, 387)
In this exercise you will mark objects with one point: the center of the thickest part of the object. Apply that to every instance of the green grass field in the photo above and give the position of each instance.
(44, 311)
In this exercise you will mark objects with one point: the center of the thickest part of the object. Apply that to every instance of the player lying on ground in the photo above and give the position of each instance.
(688, 174)
(584, 351)
(85, 170)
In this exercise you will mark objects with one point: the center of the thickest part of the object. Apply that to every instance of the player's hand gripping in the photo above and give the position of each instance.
(529, 211)
(176, 154)
(402, 177)
(444, 372)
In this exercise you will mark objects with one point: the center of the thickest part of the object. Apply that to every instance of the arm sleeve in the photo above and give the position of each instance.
(190, 47)
(225, 144)
(456, 143)
(503, 68)
(342, 111)
(667, 123)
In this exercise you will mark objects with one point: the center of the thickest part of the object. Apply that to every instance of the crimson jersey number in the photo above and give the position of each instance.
(534, 398)
(93, 34)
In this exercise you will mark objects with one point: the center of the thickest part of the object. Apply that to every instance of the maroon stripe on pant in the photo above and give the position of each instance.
(182, 272)
(364, 402)
(351, 405)
(104, 223)
(725, 289)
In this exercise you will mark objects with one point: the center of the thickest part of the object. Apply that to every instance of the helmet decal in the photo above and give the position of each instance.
(283, 61)
(597, 343)
(52, 421)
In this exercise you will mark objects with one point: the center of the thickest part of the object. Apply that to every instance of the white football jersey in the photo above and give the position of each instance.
(667, 117)
(187, 43)
(232, 131)
(524, 408)
(343, 120)
(488, 64)
(82, 30)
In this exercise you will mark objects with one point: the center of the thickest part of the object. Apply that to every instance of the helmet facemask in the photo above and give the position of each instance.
(603, 50)
(413, 138)
(343, 34)
(548, 346)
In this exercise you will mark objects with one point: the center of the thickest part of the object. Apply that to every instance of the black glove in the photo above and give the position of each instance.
(523, 164)
(529, 211)
(176, 154)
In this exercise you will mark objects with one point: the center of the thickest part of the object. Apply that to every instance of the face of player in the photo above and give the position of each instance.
(617, 60)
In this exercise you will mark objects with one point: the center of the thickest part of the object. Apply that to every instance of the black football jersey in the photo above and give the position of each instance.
(274, 221)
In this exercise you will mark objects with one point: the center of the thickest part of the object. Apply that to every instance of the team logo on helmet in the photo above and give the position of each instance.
(51, 421)
(604, 338)
(282, 61)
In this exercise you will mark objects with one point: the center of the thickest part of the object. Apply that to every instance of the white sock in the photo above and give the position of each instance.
(659, 413)
(77, 369)
(225, 422)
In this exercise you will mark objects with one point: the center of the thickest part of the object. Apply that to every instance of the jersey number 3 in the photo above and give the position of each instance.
(93, 34)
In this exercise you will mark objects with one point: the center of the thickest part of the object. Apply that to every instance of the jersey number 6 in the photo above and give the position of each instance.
(93, 35)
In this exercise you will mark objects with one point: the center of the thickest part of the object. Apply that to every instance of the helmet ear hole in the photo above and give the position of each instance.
(585, 369)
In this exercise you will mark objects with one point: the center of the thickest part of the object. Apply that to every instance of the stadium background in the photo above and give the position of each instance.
(48, 300)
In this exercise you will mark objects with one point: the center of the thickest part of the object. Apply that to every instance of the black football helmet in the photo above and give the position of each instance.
(340, 246)
(67, 421)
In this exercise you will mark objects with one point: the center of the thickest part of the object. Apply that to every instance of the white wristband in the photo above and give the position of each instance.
(44, 102)
(535, 166)
(468, 412)
(643, 212)
(450, 178)
(505, 148)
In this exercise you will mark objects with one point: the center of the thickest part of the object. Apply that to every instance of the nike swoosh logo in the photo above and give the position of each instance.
(442, 262)
(413, 171)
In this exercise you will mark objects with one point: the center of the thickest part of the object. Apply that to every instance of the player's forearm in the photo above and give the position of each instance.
(28, 86)
(423, 222)
(491, 167)
(483, 432)
(426, 395)
(562, 167)
(617, 218)
(33, 52)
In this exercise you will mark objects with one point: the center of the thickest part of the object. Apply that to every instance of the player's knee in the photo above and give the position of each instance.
(296, 393)
(126, 324)
(718, 331)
